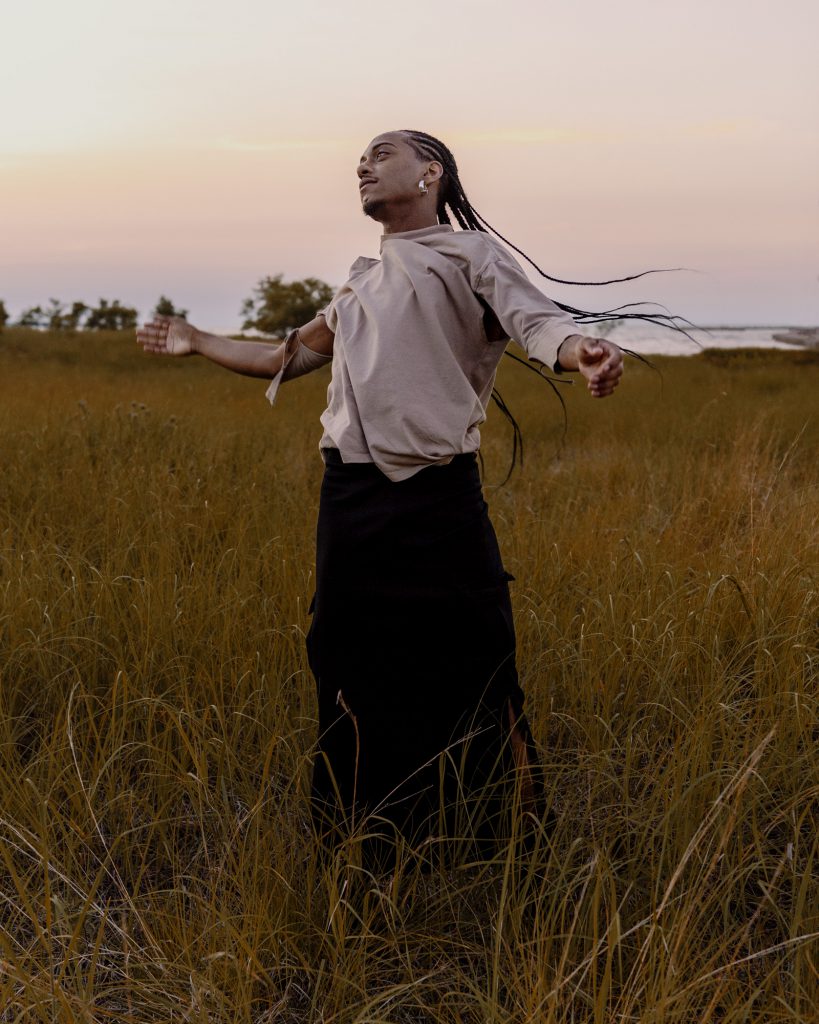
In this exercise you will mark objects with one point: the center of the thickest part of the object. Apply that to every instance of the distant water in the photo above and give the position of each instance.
(649, 340)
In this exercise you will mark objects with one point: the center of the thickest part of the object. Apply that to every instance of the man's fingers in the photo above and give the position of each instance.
(601, 362)
(590, 352)
(167, 335)
(604, 378)
(608, 373)
(153, 337)
(603, 390)
(155, 331)
(593, 351)
(612, 367)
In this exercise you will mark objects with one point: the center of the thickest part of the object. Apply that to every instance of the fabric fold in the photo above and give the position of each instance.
(414, 364)
(298, 360)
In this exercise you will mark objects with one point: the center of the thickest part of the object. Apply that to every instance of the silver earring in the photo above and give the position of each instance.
(423, 187)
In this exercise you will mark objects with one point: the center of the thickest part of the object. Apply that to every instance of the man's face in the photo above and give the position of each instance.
(388, 172)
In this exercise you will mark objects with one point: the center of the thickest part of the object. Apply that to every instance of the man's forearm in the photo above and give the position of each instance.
(250, 358)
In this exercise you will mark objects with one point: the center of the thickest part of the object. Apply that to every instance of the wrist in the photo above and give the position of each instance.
(567, 353)
(197, 341)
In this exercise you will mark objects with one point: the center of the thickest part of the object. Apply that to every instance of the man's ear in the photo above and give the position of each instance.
(434, 172)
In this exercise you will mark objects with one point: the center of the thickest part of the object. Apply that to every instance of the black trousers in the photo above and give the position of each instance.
(412, 646)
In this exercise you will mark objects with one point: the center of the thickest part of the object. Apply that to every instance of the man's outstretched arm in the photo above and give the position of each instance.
(171, 335)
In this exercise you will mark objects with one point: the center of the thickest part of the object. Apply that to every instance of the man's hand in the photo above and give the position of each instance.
(598, 360)
(168, 335)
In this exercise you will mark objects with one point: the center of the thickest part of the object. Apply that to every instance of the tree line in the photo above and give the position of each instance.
(107, 315)
(275, 308)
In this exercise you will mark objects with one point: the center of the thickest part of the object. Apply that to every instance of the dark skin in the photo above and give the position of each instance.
(389, 173)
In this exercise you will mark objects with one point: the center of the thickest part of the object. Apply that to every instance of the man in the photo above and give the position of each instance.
(412, 644)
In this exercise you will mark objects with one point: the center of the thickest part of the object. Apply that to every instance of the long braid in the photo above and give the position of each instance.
(451, 194)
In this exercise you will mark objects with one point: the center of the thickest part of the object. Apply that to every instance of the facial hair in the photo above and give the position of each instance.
(371, 207)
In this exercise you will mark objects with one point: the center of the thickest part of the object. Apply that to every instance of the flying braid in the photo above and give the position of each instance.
(451, 195)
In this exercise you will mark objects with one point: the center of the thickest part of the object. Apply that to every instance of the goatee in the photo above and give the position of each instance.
(370, 207)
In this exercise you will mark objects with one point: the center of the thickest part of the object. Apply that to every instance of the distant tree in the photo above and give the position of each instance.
(4, 316)
(56, 318)
(53, 315)
(32, 317)
(165, 307)
(111, 316)
(71, 320)
(277, 308)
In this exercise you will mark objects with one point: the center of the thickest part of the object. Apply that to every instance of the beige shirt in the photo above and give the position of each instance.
(413, 363)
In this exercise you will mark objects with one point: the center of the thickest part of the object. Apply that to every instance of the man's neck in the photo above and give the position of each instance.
(409, 220)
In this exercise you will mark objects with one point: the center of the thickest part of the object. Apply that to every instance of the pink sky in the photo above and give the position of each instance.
(190, 148)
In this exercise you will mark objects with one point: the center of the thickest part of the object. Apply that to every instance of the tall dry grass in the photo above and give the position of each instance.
(156, 712)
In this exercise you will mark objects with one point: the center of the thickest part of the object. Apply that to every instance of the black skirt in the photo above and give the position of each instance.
(412, 646)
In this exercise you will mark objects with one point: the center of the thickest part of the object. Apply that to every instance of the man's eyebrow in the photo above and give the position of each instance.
(378, 145)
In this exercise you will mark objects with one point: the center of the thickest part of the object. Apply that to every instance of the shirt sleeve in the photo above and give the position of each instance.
(329, 314)
(298, 360)
(525, 313)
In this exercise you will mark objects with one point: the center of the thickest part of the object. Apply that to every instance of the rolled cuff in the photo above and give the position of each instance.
(298, 360)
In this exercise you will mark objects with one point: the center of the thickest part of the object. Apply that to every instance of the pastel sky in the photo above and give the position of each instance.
(190, 147)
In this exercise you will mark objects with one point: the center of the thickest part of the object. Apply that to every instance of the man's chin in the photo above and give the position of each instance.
(372, 208)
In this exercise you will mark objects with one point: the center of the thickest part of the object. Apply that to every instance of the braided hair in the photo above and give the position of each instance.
(452, 198)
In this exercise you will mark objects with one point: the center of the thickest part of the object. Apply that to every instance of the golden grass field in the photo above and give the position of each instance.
(157, 714)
